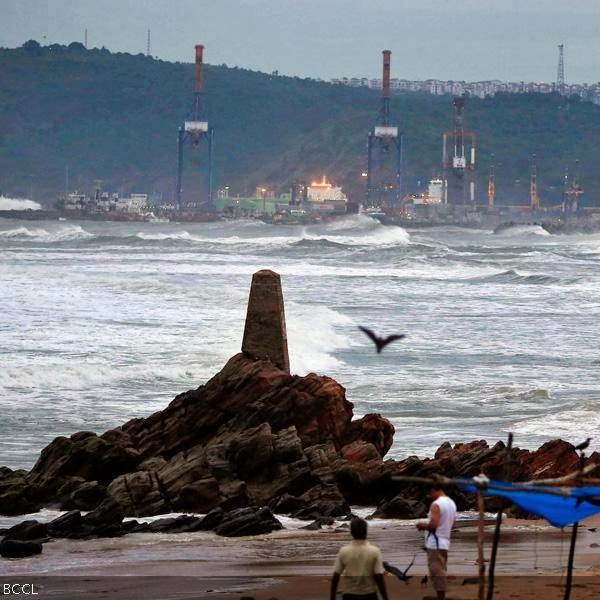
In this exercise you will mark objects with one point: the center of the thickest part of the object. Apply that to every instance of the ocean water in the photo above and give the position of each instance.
(104, 322)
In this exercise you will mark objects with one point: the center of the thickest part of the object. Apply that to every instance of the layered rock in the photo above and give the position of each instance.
(252, 441)
(254, 435)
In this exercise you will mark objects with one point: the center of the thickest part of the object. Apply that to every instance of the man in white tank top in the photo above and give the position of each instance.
(438, 529)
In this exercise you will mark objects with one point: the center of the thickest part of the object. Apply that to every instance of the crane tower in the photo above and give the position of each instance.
(534, 199)
(459, 166)
(384, 150)
(194, 131)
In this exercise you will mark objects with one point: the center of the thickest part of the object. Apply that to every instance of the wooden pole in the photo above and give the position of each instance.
(480, 555)
(496, 540)
(569, 582)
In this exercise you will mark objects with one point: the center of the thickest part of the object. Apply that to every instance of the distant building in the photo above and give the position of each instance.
(480, 89)
(323, 191)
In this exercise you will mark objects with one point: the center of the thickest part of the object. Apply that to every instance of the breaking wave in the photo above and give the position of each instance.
(516, 230)
(314, 337)
(66, 234)
(378, 235)
(512, 276)
(18, 204)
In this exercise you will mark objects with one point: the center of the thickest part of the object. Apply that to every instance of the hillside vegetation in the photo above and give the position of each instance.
(114, 117)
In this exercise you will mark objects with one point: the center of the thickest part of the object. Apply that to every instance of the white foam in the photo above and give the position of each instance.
(366, 232)
(314, 337)
(63, 234)
(23, 232)
(573, 425)
(523, 230)
(18, 204)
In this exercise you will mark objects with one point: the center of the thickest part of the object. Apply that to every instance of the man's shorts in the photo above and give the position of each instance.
(437, 561)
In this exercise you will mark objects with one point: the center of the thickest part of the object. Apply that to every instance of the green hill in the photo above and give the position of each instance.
(114, 117)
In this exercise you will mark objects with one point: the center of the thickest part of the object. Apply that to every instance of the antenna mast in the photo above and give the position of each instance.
(560, 74)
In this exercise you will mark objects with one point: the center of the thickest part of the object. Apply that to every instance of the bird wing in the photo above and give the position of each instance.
(392, 338)
(393, 570)
(412, 562)
(369, 333)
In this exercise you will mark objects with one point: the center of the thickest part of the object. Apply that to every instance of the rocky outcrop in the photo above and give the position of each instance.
(253, 436)
(253, 441)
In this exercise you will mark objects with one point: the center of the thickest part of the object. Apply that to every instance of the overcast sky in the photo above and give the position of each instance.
(446, 39)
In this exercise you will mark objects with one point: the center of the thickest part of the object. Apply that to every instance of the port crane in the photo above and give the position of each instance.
(194, 131)
(461, 163)
(384, 146)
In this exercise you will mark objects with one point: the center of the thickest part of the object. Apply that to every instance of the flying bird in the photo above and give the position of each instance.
(583, 445)
(380, 342)
(399, 573)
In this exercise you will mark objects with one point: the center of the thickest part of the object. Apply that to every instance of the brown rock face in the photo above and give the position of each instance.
(253, 435)
(252, 439)
(265, 335)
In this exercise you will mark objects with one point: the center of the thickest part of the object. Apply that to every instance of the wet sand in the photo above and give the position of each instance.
(296, 563)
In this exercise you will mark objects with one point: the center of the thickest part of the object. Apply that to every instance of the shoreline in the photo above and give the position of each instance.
(532, 556)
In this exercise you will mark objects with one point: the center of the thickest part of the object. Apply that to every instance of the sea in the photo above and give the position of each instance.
(104, 322)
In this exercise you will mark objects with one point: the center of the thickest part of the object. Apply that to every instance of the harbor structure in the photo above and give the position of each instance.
(384, 150)
(458, 158)
(195, 131)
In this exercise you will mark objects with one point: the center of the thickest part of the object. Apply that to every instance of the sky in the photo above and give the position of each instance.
(511, 40)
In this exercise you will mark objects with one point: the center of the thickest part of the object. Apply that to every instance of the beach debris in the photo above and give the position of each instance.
(381, 342)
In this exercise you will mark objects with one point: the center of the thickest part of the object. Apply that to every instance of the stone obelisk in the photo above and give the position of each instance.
(265, 335)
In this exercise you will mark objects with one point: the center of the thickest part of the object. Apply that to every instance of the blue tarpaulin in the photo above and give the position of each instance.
(577, 503)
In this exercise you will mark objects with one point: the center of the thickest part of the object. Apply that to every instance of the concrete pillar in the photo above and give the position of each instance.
(265, 335)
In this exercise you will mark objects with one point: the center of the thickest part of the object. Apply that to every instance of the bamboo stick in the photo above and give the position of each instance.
(515, 487)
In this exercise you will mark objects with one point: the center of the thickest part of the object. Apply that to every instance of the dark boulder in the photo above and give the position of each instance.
(180, 524)
(401, 508)
(247, 521)
(322, 501)
(104, 521)
(213, 519)
(27, 530)
(17, 495)
(67, 525)
(88, 495)
(19, 548)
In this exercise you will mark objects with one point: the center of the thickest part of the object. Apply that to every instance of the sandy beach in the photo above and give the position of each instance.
(296, 563)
